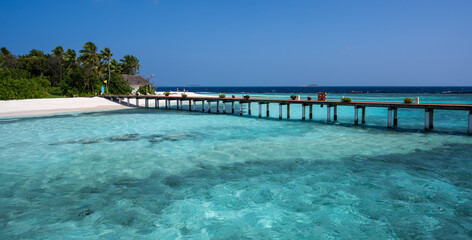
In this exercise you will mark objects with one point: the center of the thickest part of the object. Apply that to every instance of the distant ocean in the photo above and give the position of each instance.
(295, 89)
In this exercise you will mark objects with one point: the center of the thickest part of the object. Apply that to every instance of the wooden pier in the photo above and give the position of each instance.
(331, 106)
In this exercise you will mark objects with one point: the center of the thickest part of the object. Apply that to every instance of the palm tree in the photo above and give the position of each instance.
(70, 59)
(106, 57)
(38, 58)
(7, 59)
(130, 64)
(90, 60)
(57, 61)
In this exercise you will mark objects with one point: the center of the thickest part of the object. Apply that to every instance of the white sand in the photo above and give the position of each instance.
(55, 105)
(60, 105)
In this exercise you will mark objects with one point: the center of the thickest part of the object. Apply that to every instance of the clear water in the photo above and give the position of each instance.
(159, 174)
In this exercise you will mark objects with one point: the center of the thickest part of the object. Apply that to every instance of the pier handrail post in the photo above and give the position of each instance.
(389, 118)
(280, 111)
(363, 114)
(356, 115)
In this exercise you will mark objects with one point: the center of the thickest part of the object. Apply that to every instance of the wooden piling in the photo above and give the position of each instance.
(288, 111)
(137, 102)
(209, 107)
(260, 110)
(311, 111)
(363, 114)
(127, 99)
(328, 112)
(395, 117)
(303, 112)
(156, 103)
(146, 103)
(268, 114)
(232, 107)
(224, 107)
(203, 106)
(389, 118)
(181, 105)
(217, 106)
(280, 111)
(431, 118)
(249, 108)
(427, 115)
(470, 123)
(356, 115)
(335, 112)
(240, 108)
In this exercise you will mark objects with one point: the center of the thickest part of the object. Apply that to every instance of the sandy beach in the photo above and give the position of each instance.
(41, 106)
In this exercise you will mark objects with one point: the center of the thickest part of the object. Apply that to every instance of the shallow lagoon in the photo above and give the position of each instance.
(161, 174)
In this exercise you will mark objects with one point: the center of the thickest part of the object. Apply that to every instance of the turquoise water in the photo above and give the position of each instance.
(159, 174)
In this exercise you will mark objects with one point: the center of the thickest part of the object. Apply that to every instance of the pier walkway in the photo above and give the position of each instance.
(331, 113)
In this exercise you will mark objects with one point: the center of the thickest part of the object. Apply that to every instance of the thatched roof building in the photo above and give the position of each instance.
(136, 81)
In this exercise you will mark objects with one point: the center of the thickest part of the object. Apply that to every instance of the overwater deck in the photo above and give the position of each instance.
(392, 117)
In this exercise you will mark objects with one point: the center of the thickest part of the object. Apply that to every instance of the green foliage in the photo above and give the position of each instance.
(17, 84)
(222, 95)
(167, 93)
(408, 100)
(184, 95)
(63, 73)
(293, 97)
(346, 99)
(144, 90)
(246, 97)
(118, 86)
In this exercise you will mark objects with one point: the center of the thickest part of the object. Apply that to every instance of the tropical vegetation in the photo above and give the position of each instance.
(64, 73)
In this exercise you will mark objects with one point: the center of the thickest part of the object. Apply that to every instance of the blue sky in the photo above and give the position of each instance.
(260, 43)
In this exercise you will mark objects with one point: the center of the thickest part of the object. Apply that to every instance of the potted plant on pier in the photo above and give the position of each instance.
(293, 97)
(309, 98)
(346, 99)
(233, 96)
(246, 97)
(166, 94)
(222, 95)
(408, 100)
(184, 95)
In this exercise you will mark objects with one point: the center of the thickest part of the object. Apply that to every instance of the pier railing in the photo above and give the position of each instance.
(332, 111)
